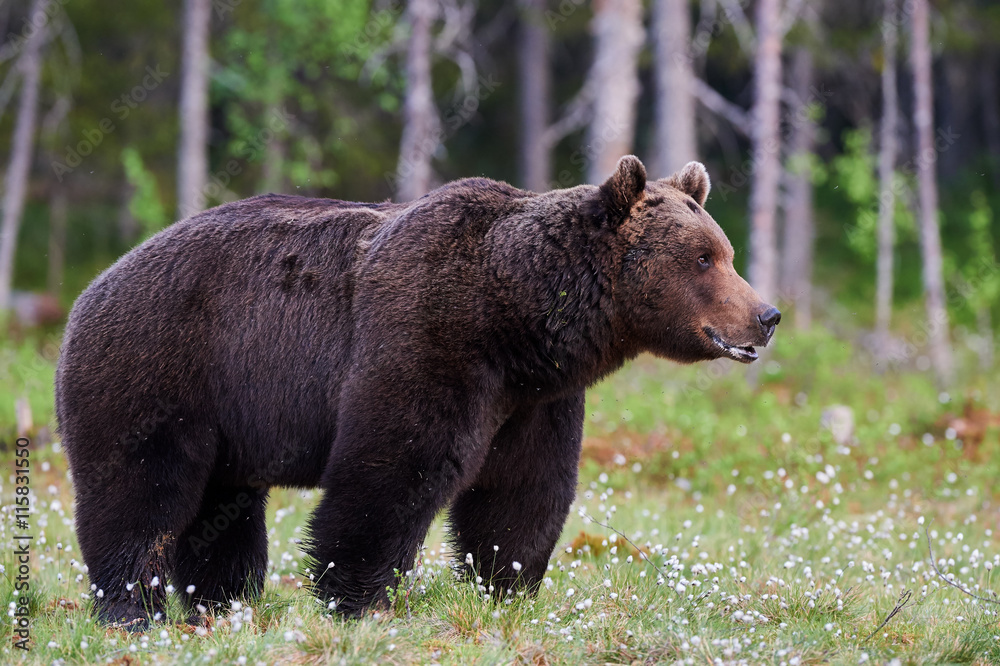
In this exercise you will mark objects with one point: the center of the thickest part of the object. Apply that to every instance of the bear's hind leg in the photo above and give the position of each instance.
(520, 500)
(223, 552)
(128, 516)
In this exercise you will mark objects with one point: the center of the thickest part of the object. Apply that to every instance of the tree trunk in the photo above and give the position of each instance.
(536, 85)
(420, 123)
(618, 36)
(766, 150)
(22, 149)
(192, 158)
(799, 232)
(991, 112)
(930, 234)
(676, 140)
(887, 195)
(58, 216)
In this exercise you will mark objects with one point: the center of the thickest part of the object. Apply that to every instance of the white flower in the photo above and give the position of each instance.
(190, 589)
(516, 565)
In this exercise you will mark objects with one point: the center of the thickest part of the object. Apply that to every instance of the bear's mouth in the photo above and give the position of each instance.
(741, 353)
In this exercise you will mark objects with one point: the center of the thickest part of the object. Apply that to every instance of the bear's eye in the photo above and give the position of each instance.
(704, 261)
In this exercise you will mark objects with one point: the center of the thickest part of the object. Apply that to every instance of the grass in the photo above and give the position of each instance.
(753, 535)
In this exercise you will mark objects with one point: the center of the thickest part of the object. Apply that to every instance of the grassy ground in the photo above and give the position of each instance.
(753, 536)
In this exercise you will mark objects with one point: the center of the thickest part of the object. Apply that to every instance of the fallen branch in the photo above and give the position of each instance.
(904, 599)
(950, 582)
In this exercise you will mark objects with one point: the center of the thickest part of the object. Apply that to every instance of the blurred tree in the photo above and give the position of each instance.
(421, 123)
(535, 95)
(618, 36)
(29, 66)
(930, 235)
(763, 269)
(52, 124)
(799, 225)
(886, 171)
(988, 74)
(676, 136)
(192, 157)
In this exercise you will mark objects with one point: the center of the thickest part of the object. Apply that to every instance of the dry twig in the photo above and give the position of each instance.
(951, 582)
(904, 599)
(642, 555)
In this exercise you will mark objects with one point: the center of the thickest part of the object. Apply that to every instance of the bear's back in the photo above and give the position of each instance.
(252, 296)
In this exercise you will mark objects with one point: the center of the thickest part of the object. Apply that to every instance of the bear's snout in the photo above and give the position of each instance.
(770, 318)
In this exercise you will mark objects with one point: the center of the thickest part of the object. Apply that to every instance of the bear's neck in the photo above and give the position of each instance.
(554, 283)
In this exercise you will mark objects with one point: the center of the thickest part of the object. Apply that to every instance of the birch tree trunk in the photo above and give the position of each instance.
(887, 195)
(420, 124)
(22, 148)
(676, 140)
(618, 36)
(192, 157)
(766, 150)
(799, 231)
(930, 234)
(535, 102)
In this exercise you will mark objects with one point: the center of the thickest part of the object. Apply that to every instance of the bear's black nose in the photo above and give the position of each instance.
(768, 320)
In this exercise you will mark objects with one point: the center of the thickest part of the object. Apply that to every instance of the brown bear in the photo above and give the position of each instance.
(403, 357)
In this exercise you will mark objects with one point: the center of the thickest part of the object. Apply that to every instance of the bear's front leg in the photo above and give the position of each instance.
(511, 516)
(395, 464)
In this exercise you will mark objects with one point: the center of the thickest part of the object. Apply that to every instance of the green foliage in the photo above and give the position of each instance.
(976, 275)
(27, 371)
(284, 89)
(856, 173)
(144, 204)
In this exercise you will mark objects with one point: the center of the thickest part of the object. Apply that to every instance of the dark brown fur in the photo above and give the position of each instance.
(403, 357)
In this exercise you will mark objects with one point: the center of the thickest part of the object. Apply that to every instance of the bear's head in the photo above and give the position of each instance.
(680, 295)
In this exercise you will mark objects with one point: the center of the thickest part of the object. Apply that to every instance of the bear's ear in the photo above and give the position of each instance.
(692, 180)
(625, 188)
